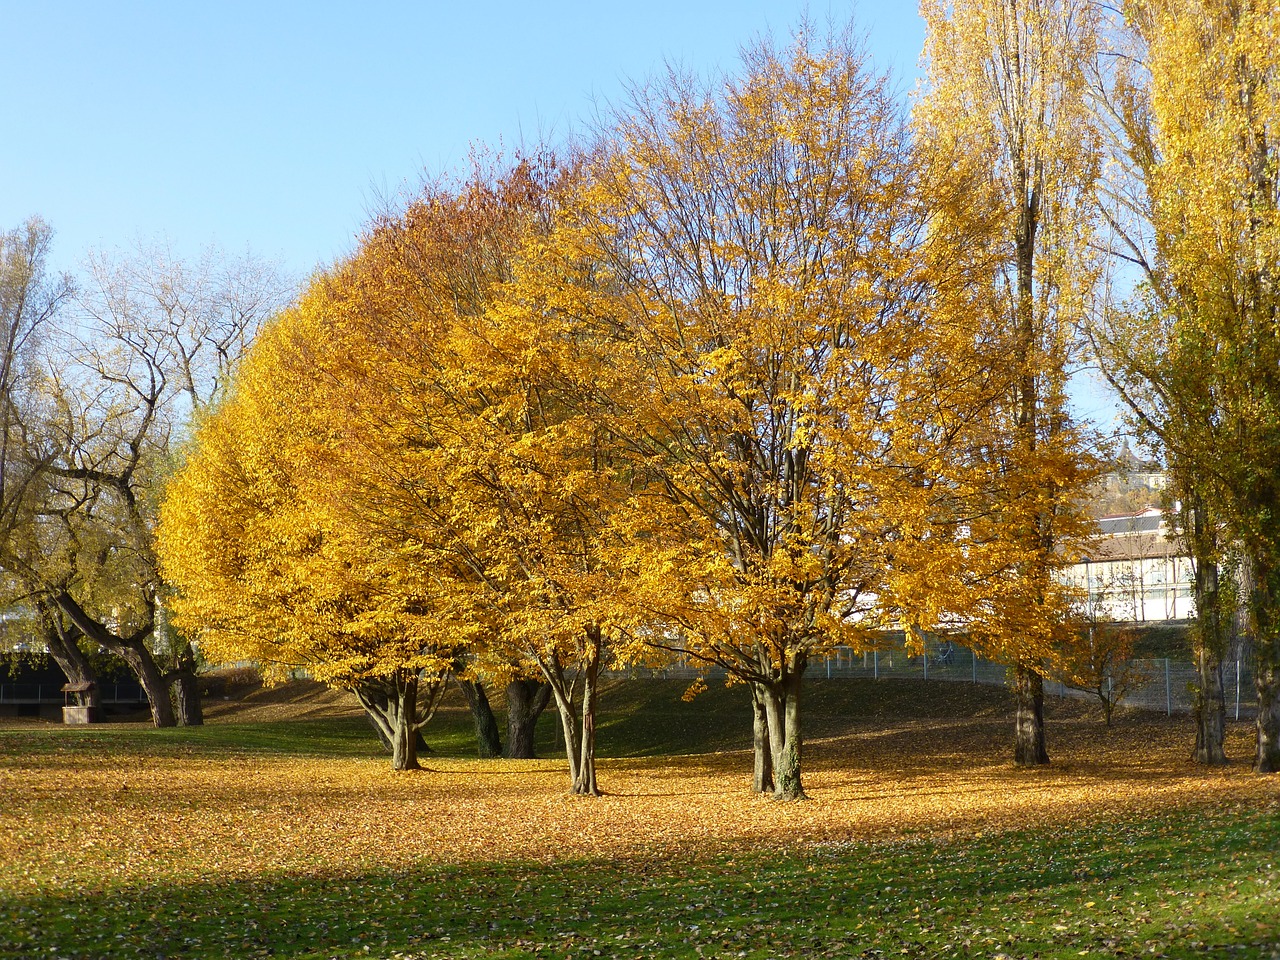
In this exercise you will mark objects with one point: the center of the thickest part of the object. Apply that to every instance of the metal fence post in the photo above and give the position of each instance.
(925, 657)
(875, 664)
(1168, 692)
(974, 655)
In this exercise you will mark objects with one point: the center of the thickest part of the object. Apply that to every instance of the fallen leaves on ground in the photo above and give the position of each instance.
(68, 813)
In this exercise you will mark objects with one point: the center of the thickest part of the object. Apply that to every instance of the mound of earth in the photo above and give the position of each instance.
(241, 697)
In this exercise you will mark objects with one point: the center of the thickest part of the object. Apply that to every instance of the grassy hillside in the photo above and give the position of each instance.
(637, 718)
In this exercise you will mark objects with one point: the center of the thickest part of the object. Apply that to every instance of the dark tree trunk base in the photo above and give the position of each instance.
(488, 743)
(1267, 758)
(391, 704)
(139, 659)
(762, 766)
(186, 696)
(782, 713)
(1029, 748)
(526, 699)
(1210, 715)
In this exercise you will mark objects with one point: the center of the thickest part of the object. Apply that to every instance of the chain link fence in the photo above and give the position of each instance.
(1163, 685)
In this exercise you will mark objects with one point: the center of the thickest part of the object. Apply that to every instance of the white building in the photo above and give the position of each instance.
(1135, 571)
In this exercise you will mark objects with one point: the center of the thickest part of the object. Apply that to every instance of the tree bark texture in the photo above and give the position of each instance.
(526, 699)
(186, 689)
(579, 744)
(782, 710)
(1265, 601)
(1265, 681)
(585, 783)
(762, 768)
(188, 710)
(568, 712)
(488, 742)
(153, 684)
(392, 705)
(1210, 711)
(1029, 736)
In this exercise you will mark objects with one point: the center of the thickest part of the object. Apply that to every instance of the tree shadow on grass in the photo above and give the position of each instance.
(1119, 888)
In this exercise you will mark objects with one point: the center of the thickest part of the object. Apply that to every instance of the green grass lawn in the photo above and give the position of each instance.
(1187, 878)
(1160, 886)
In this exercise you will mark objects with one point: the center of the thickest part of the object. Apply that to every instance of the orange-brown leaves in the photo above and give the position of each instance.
(238, 816)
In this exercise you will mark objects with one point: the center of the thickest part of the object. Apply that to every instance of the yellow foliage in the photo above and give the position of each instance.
(1013, 153)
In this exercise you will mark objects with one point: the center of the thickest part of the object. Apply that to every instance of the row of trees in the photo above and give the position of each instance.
(764, 367)
(1191, 114)
(760, 371)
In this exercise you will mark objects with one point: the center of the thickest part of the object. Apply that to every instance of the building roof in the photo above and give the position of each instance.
(1149, 521)
(1136, 536)
(1134, 546)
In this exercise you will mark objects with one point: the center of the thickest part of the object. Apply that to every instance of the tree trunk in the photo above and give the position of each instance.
(186, 698)
(404, 746)
(782, 709)
(1210, 708)
(392, 705)
(75, 666)
(568, 712)
(488, 744)
(153, 684)
(373, 714)
(585, 782)
(1265, 602)
(1029, 734)
(563, 692)
(186, 689)
(1029, 742)
(526, 699)
(579, 746)
(1210, 711)
(1268, 756)
(762, 771)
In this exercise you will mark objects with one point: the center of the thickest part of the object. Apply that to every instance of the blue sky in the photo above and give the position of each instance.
(278, 126)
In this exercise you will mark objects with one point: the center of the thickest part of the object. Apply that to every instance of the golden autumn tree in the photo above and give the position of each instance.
(264, 568)
(1160, 367)
(1004, 107)
(747, 257)
(1195, 351)
(467, 448)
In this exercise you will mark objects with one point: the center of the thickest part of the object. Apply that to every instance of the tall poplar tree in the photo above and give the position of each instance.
(1198, 348)
(1005, 105)
(1160, 371)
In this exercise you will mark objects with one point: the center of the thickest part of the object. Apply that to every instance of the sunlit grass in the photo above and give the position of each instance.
(921, 839)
